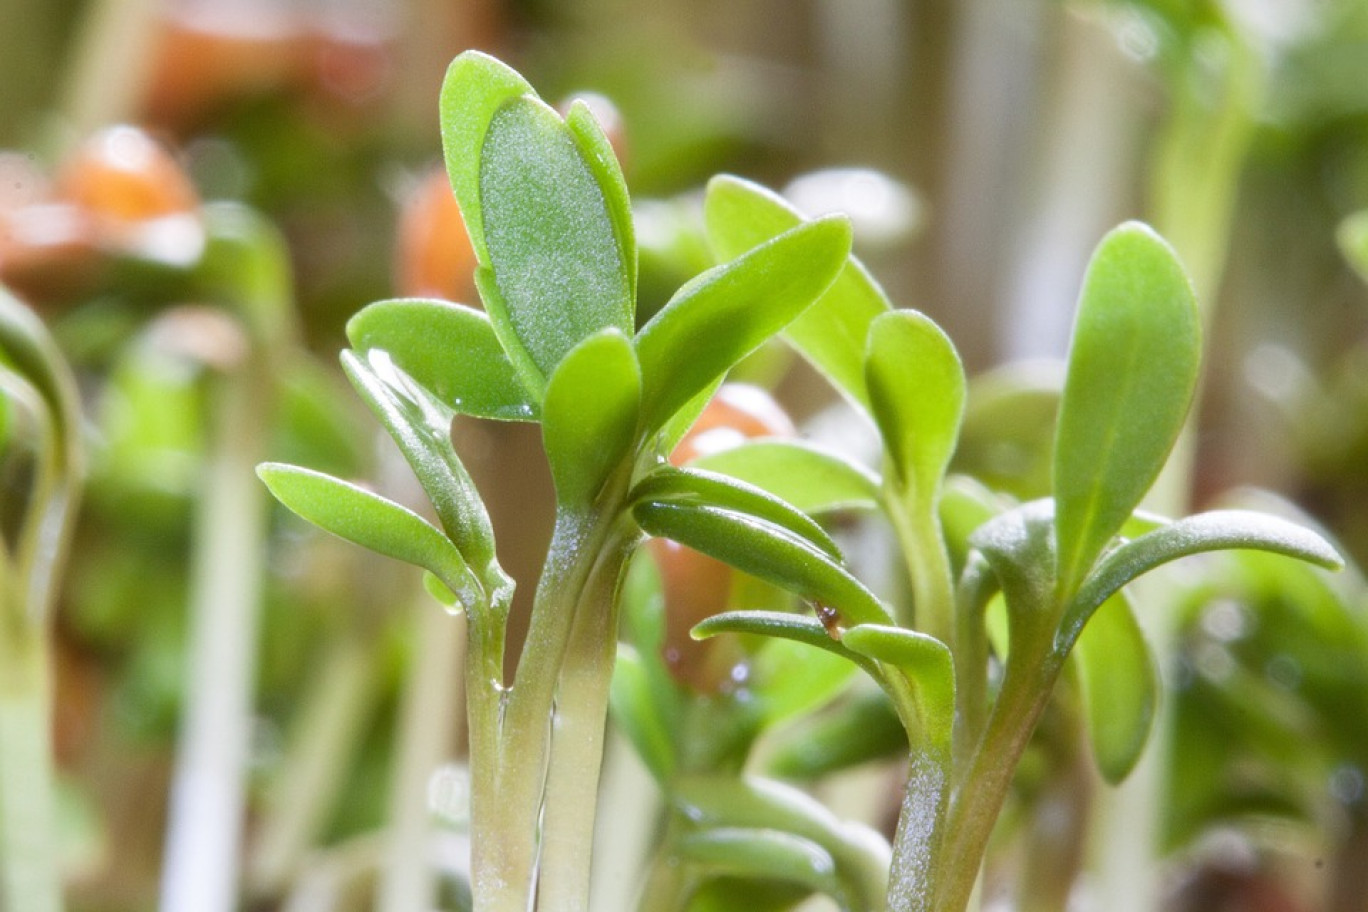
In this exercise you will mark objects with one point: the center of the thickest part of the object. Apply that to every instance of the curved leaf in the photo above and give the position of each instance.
(1120, 686)
(598, 153)
(916, 393)
(373, 522)
(810, 478)
(552, 244)
(796, 627)
(765, 550)
(727, 312)
(763, 855)
(590, 414)
(865, 728)
(832, 333)
(1133, 367)
(421, 428)
(26, 344)
(926, 664)
(448, 348)
(702, 487)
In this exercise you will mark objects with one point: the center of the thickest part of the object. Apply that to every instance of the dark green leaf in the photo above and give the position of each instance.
(727, 312)
(763, 855)
(421, 427)
(373, 522)
(1133, 367)
(448, 348)
(859, 730)
(704, 488)
(1120, 687)
(590, 414)
(1213, 531)
(761, 548)
(551, 237)
(916, 394)
(810, 478)
(926, 664)
(832, 333)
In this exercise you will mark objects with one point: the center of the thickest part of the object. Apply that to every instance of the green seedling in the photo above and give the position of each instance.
(557, 343)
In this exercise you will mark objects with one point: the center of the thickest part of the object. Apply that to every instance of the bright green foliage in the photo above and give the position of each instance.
(734, 307)
(916, 392)
(832, 333)
(449, 349)
(1352, 236)
(1120, 686)
(924, 662)
(814, 480)
(590, 414)
(764, 854)
(1133, 368)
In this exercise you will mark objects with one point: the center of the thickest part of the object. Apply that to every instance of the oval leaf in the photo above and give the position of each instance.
(727, 312)
(1216, 530)
(554, 253)
(373, 522)
(590, 414)
(702, 487)
(916, 393)
(448, 348)
(763, 855)
(1120, 686)
(831, 334)
(598, 153)
(812, 479)
(1133, 367)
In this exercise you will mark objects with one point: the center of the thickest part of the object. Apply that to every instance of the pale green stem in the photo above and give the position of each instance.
(918, 843)
(30, 878)
(918, 528)
(427, 727)
(337, 703)
(207, 791)
(577, 740)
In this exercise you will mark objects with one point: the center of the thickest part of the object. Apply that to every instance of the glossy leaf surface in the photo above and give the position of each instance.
(1133, 366)
(448, 348)
(590, 414)
(1120, 687)
(832, 333)
(727, 312)
(916, 393)
(812, 479)
(371, 521)
(551, 238)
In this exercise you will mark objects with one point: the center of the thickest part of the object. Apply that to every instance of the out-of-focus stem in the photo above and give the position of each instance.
(205, 817)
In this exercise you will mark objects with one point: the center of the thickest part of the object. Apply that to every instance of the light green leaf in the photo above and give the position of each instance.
(634, 710)
(553, 249)
(761, 548)
(1133, 368)
(1216, 530)
(763, 855)
(865, 729)
(796, 627)
(698, 486)
(590, 414)
(26, 344)
(373, 522)
(448, 348)
(832, 333)
(421, 427)
(916, 393)
(727, 312)
(926, 664)
(1352, 236)
(1120, 686)
(598, 154)
(475, 87)
(814, 480)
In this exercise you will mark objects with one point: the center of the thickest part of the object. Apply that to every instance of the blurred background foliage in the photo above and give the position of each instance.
(999, 139)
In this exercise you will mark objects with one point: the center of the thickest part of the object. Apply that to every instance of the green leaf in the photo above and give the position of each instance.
(763, 855)
(1120, 686)
(788, 680)
(373, 522)
(590, 414)
(862, 729)
(475, 87)
(704, 488)
(812, 479)
(761, 548)
(926, 664)
(553, 249)
(421, 427)
(634, 709)
(832, 333)
(1352, 236)
(26, 344)
(796, 627)
(1133, 368)
(1216, 530)
(598, 154)
(727, 312)
(448, 348)
(916, 393)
